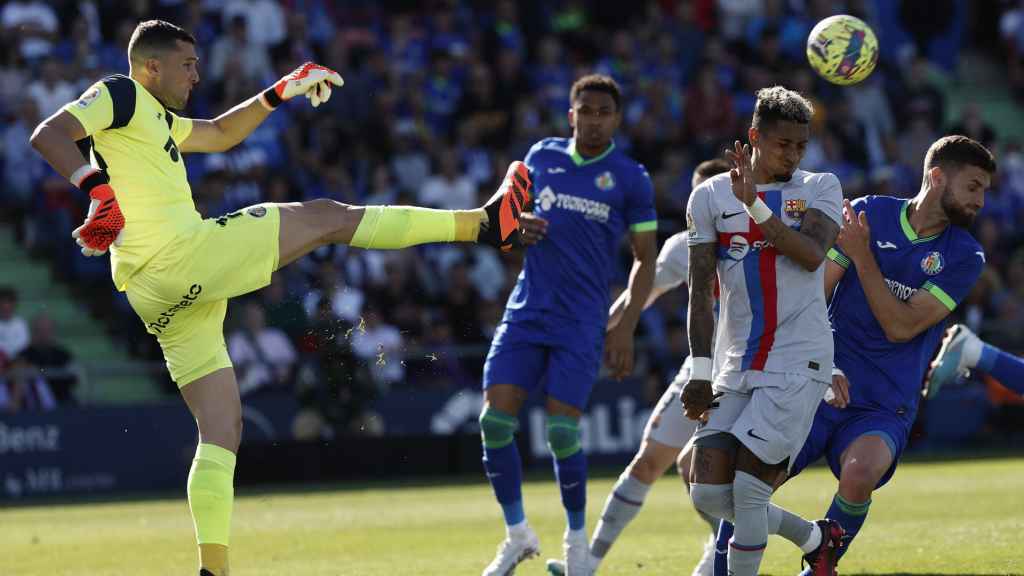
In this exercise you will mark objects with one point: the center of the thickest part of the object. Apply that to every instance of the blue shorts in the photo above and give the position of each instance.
(560, 357)
(834, 430)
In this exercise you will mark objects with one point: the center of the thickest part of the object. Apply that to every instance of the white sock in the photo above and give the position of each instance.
(813, 541)
(972, 352)
(517, 530)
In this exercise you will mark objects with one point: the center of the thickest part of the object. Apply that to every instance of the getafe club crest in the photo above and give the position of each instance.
(932, 263)
(795, 208)
(605, 181)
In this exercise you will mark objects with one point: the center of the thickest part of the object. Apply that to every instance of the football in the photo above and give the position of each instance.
(842, 49)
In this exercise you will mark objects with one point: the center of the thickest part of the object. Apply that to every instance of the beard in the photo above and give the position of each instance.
(956, 214)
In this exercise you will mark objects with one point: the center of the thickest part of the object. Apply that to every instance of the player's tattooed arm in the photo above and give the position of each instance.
(807, 247)
(701, 320)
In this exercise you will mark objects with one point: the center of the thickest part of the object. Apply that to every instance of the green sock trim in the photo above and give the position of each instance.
(497, 428)
(563, 436)
(211, 493)
(394, 227)
(851, 508)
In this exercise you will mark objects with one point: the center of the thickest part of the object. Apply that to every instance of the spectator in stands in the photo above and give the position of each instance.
(14, 334)
(262, 356)
(381, 347)
(22, 389)
(346, 301)
(283, 310)
(51, 90)
(54, 361)
(33, 25)
(22, 169)
(233, 50)
(448, 187)
(972, 124)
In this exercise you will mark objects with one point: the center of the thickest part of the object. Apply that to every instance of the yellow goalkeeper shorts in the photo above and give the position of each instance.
(181, 293)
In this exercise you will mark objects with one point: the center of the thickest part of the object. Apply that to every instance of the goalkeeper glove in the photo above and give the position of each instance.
(104, 223)
(312, 80)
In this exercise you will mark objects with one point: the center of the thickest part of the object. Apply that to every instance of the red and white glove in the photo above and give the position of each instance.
(104, 223)
(312, 80)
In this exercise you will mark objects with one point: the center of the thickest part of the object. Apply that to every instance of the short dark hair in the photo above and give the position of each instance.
(954, 152)
(597, 83)
(153, 36)
(780, 104)
(713, 167)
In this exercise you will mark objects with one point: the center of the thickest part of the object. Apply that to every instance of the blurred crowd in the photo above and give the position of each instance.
(439, 97)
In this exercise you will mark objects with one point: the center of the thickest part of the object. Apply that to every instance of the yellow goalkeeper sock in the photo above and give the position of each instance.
(211, 494)
(392, 227)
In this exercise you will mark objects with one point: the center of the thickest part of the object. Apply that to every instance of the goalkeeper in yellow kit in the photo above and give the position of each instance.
(178, 269)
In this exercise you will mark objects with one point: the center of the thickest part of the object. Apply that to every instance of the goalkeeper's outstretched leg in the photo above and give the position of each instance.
(305, 226)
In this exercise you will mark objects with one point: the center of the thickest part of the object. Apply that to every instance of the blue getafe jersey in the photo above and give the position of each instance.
(886, 375)
(589, 204)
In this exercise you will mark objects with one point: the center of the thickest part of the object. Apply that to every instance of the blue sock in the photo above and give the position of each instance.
(1006, 368)
(570, 467)
(725, 530)
(504, 470)
(571, 475)
(850, 516)
(502, 463)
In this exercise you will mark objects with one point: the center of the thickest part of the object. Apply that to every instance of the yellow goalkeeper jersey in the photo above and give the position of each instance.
(135, 139)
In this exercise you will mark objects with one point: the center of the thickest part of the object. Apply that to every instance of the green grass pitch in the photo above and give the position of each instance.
(960, 517)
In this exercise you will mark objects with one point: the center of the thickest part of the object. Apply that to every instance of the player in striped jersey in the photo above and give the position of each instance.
(668, 431)
(765, 229)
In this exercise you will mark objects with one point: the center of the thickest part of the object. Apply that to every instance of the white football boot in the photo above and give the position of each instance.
(519, 545)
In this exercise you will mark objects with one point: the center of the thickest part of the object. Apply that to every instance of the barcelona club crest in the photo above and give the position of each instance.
(795, 208)
(932, 263)
(605, 181)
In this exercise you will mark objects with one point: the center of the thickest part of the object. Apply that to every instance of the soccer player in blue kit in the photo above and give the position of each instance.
(587, 194)
(900, 267)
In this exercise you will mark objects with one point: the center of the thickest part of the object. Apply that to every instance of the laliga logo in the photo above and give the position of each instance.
(546, 199)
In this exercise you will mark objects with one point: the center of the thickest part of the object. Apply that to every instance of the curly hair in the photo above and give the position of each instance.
(597, 83)
(780, 104)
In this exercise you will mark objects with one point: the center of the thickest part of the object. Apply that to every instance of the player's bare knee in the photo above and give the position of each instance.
(858, 479)
(645, 468)
(335, 221)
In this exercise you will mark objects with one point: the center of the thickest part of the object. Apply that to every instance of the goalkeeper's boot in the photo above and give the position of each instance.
(822, 560)
(518, 546)
(951, 362)
(504, 208)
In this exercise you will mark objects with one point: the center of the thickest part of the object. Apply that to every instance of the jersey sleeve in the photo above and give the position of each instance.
(107, 104)
(834, 253)
(951, 285)
(830, 198)
(700, 219)
(673, 263)
(640, 213)
(181, 127)
(531, 158)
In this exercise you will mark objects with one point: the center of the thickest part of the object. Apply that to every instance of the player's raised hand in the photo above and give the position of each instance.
(532, 228)
(697, 398)
(855, 236)
(104, 222)
(311, 80)
(618, 351)
(742, 173)
(838, 393)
